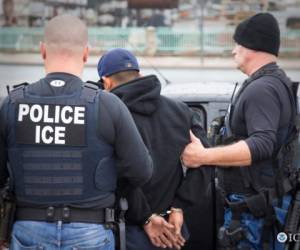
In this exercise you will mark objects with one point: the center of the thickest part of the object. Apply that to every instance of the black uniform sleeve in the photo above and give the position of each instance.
(118, 128)
(262, 116)
(3, 152)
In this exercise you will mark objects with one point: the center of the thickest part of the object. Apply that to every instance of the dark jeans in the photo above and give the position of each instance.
(34, 235)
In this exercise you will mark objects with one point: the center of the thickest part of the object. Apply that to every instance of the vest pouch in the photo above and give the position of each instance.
(105, 175)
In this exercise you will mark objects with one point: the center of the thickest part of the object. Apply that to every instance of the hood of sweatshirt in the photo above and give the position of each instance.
(140, 95)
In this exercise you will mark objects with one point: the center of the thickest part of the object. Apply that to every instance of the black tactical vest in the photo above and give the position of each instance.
(54, 153)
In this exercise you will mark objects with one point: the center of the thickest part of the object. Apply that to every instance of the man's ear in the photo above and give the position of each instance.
(43, 50)
(108, 83)
(86, 52)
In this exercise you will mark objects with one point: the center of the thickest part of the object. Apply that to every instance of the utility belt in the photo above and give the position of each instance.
(66, 214)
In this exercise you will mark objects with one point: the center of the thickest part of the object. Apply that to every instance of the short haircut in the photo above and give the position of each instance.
(66, 32)
(124, 76)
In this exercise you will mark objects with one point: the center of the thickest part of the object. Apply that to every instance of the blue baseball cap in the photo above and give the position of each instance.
(116, 60)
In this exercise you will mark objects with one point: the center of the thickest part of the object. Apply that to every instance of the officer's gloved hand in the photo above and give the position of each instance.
(159, 231)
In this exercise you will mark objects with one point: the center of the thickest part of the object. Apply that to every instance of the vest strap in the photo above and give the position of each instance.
(17, 93)
(89, 92)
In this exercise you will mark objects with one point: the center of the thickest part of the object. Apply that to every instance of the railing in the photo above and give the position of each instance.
(159, 41)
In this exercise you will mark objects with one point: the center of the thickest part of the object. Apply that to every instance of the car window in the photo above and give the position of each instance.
(200, 110)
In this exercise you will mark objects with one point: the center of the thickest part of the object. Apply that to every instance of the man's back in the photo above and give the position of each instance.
(164, 126)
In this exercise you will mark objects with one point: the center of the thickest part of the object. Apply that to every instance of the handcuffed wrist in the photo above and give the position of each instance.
(150, 218)
(176, 210)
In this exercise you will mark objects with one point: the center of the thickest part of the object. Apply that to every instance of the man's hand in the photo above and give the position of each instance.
(159, 232)
(176, 219)
(193, 152)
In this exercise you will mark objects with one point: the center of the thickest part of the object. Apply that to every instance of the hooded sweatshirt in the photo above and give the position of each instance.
(164, 125)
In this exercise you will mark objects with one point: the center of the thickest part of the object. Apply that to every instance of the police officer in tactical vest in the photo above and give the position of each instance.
(256, 168)
(59, 142)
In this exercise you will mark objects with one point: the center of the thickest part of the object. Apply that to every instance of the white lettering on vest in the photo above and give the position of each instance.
(23, 110)
(64, 111)
(79, 115)
(47, 119)
(38, 134)
(44, 133)
(57, 111)
(59, 135)
(36, 113)
(66, 114)
(48, 135)
(47, 114)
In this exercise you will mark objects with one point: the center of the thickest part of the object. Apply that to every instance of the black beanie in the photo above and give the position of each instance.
(259, 32)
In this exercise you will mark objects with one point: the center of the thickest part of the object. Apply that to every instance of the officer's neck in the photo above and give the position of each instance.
(71, 66)
(259, 61)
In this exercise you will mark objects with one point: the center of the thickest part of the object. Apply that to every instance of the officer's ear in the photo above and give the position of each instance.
(86, 52)
(107, 83)
(43, 50)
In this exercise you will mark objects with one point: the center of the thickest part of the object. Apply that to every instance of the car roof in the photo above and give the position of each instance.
(200, 91)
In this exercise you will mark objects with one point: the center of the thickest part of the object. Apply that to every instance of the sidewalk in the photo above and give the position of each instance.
(148, 62)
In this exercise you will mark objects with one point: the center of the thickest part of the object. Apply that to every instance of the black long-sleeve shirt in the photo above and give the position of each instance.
(262, 116)
(262, 110)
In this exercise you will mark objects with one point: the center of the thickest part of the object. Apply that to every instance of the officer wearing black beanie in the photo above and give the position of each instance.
(259, 32)
(253, 176)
